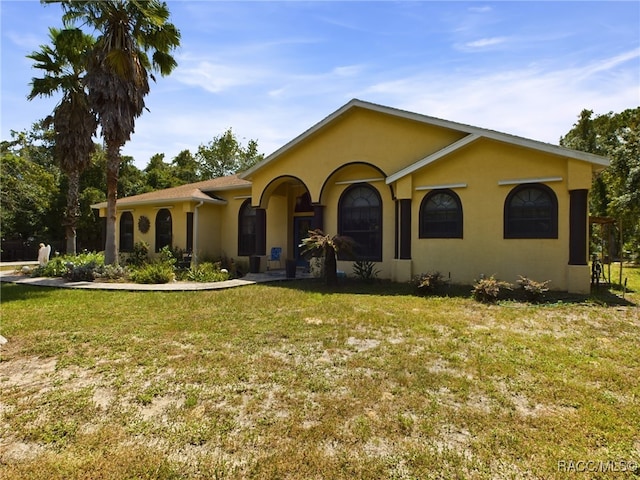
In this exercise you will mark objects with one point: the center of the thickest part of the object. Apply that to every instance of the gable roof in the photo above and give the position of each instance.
(473, 133)
(200, 191)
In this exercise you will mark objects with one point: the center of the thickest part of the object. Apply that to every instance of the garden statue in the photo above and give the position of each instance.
(43, 254)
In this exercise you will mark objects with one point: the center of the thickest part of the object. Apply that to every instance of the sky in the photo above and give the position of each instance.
(270, 70)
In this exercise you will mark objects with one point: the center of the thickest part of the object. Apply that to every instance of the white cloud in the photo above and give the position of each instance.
(531, 102)
(485, 42)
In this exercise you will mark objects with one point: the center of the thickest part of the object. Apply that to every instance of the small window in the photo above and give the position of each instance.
(164, 229)
(531, 211)
(360, 217)
(247, 229)
(126, 232)
(441, 215)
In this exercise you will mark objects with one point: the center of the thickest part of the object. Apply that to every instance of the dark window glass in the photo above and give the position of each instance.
(441, 215)
(247, 229)
(360, 217)
(163, 229)
(531, 211)
(126, 232)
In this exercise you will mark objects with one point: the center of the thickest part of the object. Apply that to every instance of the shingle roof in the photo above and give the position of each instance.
(199, 191)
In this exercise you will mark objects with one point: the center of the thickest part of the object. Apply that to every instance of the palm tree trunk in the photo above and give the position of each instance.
(113, 165)
(71, 219)
(330, 266)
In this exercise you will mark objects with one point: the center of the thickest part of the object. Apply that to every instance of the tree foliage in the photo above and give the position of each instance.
(135, 39)
(616, 190)
(225, 155)
(63, 66)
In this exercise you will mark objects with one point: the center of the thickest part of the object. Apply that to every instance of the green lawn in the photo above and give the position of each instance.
(292, 381)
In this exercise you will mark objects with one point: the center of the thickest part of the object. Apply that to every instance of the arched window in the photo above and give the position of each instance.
(247, 229)
(531, 211)
(360, 217)
(126, 232)
(441, 215)
(163, 229)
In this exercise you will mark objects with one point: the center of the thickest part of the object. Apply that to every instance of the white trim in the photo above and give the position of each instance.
(440, 187)
(241, 197)
(364, 180)
(467, 139)
(522, 181)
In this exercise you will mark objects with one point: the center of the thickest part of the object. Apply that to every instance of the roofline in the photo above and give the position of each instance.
(464, 141)
(159, 201)
(481, 132)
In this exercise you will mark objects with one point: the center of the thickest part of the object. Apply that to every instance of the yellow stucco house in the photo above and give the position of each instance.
(418, 194)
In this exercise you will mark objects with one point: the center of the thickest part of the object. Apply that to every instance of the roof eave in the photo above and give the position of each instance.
(161, 202)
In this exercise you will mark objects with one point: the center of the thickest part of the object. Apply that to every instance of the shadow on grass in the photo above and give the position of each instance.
(601, 296)
(11, 292)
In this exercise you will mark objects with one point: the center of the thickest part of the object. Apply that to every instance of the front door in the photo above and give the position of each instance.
(301, 227)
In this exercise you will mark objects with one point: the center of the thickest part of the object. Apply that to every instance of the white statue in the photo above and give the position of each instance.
(43, 254)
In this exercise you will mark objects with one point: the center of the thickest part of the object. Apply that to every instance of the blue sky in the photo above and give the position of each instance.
(270, 70)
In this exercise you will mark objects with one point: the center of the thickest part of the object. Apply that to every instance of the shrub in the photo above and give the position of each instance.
(111, 273)
(428, 283)
(156, 272)
(207, 272)
(139, 256)
(83, 272)
(487, 290)
(365, 270)
(72, 267)
(533, 290)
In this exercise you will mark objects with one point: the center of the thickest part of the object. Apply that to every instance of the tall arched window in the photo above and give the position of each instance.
(247, 229)
(360, 217)
(126, 232)
(441, 215)
(531, 211)
(163, 229)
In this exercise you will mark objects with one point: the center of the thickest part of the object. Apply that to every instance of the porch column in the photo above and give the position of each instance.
(318, 218)
(261, 231)
(578, 227)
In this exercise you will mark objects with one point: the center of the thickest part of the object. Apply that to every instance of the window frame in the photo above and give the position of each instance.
(456, 232)
(247, 247)
(126, 232)
(163, 238)
(373, 251)
(511, 231)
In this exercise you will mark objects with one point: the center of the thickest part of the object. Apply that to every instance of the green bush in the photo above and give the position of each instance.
(72, 267)
(533, 291)
(487, 290)
(139, 255)
(111, 273)
(207, 272)
(157, 272)
(428, 283)
(365, 270)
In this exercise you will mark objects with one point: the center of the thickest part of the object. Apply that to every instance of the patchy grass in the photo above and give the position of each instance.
(297, 381)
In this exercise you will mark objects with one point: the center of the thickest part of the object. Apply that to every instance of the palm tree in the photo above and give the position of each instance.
(74, 124)
(118, 74)
(319, 244)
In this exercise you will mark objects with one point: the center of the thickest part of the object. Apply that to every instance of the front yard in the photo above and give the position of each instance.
(297, 381)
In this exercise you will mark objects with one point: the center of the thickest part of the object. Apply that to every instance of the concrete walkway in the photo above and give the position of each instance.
(12, 276)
